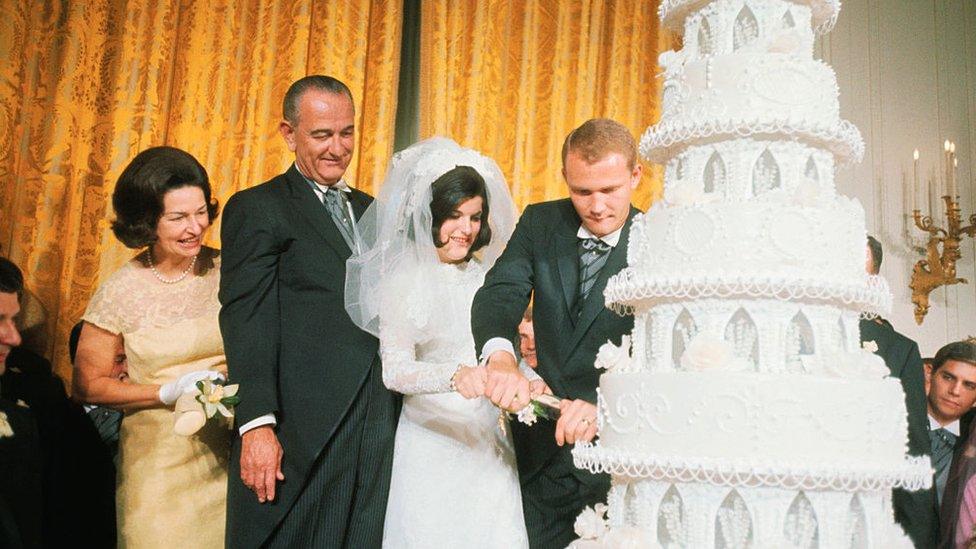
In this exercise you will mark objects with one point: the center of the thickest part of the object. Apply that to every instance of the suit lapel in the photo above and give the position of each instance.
(310, 207)
(595, 302)
(566, 259)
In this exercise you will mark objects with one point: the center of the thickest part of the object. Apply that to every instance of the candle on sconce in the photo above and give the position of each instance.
(915, 204)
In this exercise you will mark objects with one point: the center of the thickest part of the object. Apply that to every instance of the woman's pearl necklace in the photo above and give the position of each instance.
(159, 277)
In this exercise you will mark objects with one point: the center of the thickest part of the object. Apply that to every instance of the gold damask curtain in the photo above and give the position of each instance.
(511, 78)
(86, 85)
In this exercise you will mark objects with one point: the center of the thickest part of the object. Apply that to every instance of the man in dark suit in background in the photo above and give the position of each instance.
(561, 254)
(312, 465)
(916, 512)
(21, 502)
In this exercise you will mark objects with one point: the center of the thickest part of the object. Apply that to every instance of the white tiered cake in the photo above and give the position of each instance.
(747, 413)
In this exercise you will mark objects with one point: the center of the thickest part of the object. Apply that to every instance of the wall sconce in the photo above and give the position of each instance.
(938, 268)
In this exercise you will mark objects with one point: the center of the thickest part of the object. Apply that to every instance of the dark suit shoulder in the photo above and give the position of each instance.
(884, 335)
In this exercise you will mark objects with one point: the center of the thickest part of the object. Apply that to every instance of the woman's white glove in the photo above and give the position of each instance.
(170, 392)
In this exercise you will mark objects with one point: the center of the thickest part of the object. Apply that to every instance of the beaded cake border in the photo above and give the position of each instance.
(914, 473)
(667, 138)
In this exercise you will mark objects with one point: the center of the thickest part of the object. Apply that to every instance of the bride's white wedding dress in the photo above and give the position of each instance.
(454, 478)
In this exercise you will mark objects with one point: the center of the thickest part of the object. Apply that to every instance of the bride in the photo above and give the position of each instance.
(441, 219)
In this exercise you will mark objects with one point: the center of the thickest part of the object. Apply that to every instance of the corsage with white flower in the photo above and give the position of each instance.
(194, 408)
(544, 406)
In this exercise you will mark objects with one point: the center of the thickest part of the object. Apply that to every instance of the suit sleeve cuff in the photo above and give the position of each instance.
(266, 419)
(496, 344)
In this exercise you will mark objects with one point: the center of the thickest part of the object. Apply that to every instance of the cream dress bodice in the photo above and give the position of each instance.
(171, 489)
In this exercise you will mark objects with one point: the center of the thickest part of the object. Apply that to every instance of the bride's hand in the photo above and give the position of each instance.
(538, 387)
(469, 381)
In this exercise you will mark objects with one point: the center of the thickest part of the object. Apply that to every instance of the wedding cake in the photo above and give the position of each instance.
(743, 411)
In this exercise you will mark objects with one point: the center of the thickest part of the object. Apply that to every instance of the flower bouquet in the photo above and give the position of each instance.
(195, 407)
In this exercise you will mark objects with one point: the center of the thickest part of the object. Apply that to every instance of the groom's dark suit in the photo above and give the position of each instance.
(295, 353)
(541, 259)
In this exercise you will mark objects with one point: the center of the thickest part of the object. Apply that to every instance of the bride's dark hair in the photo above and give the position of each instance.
(448, 192)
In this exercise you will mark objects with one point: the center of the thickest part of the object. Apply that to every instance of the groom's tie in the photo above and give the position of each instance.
(336, 205)
(593, 254)
(943, 444)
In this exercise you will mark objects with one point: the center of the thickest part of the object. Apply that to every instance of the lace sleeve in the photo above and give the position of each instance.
(104, 308)
(402, 372)
(403, 322)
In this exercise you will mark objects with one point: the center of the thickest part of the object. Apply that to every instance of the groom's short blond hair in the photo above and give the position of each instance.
(597, 138)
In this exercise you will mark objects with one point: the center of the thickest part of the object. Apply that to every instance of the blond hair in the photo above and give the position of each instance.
(598, 137)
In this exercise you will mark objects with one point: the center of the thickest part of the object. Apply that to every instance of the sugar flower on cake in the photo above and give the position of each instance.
(807, 193)
(629, 537)
(591, 522)
(786, 41)
(860, 364)
(706, 352)
(686, 194)
(612, 357)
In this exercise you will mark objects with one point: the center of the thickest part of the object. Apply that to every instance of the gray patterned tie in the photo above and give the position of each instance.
(335, 203)
(943, 443)
(593, 254)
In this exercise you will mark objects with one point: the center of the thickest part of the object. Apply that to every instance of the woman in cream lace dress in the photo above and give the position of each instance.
(454, 480)
(162, 307)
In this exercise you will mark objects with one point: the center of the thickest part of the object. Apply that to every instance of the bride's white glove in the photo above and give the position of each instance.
(170, 392)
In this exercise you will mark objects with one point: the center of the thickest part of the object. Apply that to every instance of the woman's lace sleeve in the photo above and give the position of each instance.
(105, 307)
(402, 372)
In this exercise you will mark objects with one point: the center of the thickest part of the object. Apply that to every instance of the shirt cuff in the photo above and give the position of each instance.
(496, 344)
(260, 421)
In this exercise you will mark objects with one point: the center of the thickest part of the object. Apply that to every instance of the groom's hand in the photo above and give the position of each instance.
(507, 388)
(577, 422)
(261, 461)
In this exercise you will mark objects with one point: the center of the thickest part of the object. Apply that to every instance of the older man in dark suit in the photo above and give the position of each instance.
(562, 253)
(312, 465)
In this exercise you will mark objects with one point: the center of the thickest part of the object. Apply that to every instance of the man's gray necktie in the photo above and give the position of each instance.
(335, 203)
(943, 444)
(593, 254)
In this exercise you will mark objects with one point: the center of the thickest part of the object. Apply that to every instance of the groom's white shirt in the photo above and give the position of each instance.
(500, 343)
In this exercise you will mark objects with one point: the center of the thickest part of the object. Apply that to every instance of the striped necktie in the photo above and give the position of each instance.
(943, 444)
(593, 254)
(335, 203)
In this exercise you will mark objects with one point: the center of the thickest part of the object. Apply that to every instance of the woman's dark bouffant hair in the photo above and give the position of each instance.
(447, 194)
(138, 196)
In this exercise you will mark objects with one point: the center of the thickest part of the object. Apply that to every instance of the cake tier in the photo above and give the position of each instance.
(752, 249)
(750, 87)
(747, 429)
(679, 15)
(663, 514)
(782, 172)
(750, 335)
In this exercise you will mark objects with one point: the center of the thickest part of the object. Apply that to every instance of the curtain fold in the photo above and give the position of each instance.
(512, 78)
(85, 86)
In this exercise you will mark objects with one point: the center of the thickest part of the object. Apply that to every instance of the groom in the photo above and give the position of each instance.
(312, 465)
(561, 254)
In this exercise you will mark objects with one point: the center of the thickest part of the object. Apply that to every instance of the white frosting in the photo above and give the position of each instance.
(701, 515)
(778, 86)
(782, 419)
(742, 411)
(818, 14)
